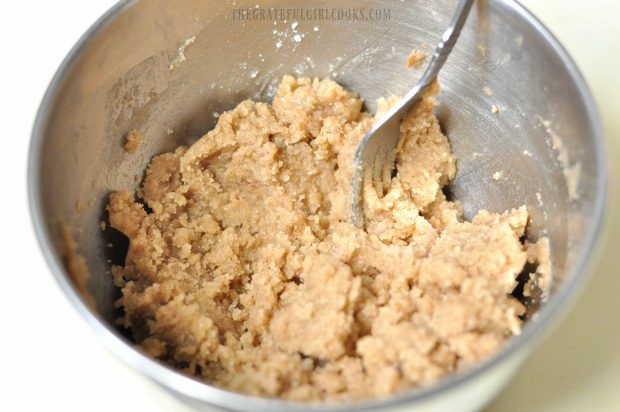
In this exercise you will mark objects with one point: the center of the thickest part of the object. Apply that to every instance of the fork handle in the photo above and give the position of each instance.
(448, 39)
(442, 51)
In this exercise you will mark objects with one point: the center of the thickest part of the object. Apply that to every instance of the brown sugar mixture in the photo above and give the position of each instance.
(415, 58)
(245, 270)
(133, 141)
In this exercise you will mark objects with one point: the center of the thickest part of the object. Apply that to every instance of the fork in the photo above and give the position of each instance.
(376, 153)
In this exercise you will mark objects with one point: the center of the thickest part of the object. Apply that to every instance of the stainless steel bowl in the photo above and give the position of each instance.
(118, 77)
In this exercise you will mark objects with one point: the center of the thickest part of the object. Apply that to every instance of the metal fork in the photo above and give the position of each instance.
(376, 153)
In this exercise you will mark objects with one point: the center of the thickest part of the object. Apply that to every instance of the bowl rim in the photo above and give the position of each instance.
(203, 392)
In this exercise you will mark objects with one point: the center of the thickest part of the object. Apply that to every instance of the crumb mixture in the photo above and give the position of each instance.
(133, 141)
(76, 265)
(415, 58)
(243, 267)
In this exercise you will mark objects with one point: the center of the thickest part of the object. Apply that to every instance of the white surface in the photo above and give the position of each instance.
(49, 359)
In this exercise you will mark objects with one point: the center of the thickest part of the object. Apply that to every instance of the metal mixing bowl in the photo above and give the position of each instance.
(118, 77)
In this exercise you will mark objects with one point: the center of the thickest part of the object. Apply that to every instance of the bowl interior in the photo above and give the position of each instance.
(168, 68)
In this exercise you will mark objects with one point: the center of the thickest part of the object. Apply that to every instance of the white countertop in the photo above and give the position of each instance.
(49, 358)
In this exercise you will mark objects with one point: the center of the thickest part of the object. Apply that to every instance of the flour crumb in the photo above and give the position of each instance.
(519, 41)
(545, 123)
(133, 141)
(76, 265)
(572, 175)
(572, 172)
(180, 58)
(415, 58)
(487, 90)
(498, 175)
